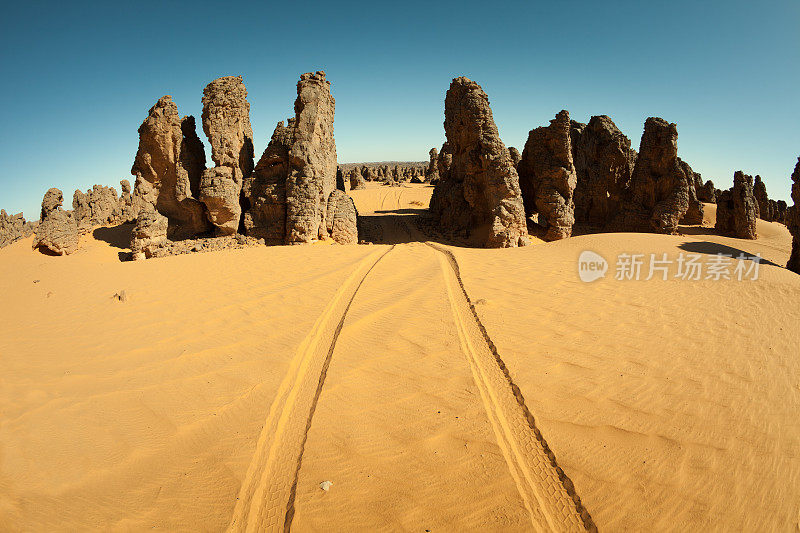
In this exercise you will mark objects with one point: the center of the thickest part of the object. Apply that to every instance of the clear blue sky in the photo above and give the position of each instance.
(78, 80)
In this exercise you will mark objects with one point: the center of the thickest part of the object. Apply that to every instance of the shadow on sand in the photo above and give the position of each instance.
(116, 236)
(714, 248)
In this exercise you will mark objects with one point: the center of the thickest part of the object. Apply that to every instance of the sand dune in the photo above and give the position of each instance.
(229, 385)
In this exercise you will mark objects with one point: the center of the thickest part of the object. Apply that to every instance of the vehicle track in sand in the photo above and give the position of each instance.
(547, 492)
(266, 497)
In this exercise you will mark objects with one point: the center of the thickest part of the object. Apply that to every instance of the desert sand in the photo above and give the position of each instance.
(225, 387)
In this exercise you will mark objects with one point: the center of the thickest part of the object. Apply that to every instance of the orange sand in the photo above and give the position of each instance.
(671, 405)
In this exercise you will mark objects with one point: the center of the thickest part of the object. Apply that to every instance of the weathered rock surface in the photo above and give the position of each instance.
(515, 156)
(160, 161)
(762, 199)
(694, 211)
(126, 209)
(356, 179)
(98, 206)
(604, 161)
(312, 157)
(793, 221)
(478, 193)
(265, 188)
(737, 209)
(547, 178)
(226, 123)
(658, 195)
(57, 232)
(707, 193)
(339, 179)
(342, 218)
(13, 228)
(149, 234)
(780, 211)
(287, 196)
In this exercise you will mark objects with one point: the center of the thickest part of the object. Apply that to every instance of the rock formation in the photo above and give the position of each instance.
(57, 232)
(226, 123)
(658, 195)
(478, 195)
(265, 188)
(125, 207)
(356, 179)
(694, 211)
(98, 206)
(604, 161)
(779, 212)
(707, 193)
(762, 199)
(288, 194)
(737, 209)
(515, 156)
(793, 221)
(167, 159)
(342, 218)
(13, 228)
(339, 179)
(547, 178)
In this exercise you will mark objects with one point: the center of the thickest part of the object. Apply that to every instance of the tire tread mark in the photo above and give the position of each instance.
(558, 516)
(266, 495)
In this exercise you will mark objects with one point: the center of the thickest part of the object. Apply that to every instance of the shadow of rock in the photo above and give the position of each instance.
(713, 248)
(116, 236)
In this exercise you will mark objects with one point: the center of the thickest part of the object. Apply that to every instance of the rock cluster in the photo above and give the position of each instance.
(547, 178)
(99, 206)
(737, 209)
(658, 195)
(265, 190)
(13, 228)
(478, 193)
(163, 160)
(793, 221)
(604, 162)
(57, 232)
(291, 196)
(766, 208)
(226, 123)
(707, 193)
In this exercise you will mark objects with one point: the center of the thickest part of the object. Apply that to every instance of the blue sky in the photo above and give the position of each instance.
(78, 81)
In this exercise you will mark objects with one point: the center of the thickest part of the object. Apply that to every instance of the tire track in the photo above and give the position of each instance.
(266, 497)
(548, 493)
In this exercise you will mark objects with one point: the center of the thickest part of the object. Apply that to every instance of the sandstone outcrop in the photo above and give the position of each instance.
(547, 178)
(287, 196)
(226, 123)
(149, 234)
(125, 207)
(780, 211)
(737, 209)
(57, 232)
(98, 206)
(342, 218)
(658, 195)
(478, 194)
(604, 161)
(356, 179)
(312, 158)
(515, 156)
(13, 228)
(167, 159)
(793, 221)
(707, 193)
(694, 211)
(762, 199)
(339, 179)
(265, 189)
